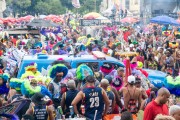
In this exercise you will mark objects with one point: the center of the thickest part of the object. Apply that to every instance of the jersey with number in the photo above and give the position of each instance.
(110, 95)
(93, 100)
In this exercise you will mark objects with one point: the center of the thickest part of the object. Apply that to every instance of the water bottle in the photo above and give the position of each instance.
(71, 110)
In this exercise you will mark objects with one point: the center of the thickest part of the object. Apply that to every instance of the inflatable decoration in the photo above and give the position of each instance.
(83, 71)
(58, 68)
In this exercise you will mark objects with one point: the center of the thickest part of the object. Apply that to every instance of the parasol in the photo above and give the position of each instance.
(165, 20)
(92, 15)
(128, 20)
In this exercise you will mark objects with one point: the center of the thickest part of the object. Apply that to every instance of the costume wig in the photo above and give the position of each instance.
(83, 71)
(16, 84)
(58, 68)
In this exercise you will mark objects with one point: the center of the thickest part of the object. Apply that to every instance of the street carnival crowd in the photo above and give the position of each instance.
(86, 93)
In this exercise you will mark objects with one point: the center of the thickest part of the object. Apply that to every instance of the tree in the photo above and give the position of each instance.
(49, 7)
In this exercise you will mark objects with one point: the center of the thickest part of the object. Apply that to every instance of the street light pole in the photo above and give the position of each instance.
(95, 5)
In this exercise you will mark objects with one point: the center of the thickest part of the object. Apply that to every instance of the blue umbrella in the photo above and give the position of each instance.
(156, 77)
(165, 20)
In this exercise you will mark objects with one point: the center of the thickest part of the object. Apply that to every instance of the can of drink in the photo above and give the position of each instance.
(71, 110)
(60, 110)
(63, 117)
(82, 109)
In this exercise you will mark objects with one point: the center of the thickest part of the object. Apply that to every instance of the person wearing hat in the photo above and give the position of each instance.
(95, 100)
(138, 85)
(131, 96)
(57, 72)
(39, 109)
(68, 97)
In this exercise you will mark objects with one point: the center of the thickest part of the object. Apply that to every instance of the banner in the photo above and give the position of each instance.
(86, 22)
(76, 3)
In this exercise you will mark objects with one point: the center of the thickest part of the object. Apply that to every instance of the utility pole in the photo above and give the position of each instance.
(95, 5)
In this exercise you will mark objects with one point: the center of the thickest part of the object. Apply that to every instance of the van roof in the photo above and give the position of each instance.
(66, 57)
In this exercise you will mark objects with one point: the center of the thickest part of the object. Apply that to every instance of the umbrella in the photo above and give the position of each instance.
(92, 15)
(42, 23)
(128, 20)
(165, 20)
(104, 19)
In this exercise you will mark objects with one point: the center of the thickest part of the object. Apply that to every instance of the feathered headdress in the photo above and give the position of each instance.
(31, 67)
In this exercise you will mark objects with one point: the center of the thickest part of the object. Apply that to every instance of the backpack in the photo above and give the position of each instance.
(132, 104)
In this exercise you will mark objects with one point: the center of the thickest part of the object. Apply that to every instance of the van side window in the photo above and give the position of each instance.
(116, 66)
(92, 65)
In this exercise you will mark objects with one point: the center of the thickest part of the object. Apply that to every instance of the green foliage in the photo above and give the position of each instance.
(24, 7)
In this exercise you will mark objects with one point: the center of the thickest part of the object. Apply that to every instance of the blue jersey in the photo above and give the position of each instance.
(111, 97)
(93, 101)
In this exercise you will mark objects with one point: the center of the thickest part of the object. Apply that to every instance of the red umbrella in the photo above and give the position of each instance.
(128, 20)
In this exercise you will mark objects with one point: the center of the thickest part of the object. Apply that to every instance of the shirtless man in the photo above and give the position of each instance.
(161, 57)
(131, 93)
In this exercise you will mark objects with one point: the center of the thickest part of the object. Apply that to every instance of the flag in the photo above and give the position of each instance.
(76, 3)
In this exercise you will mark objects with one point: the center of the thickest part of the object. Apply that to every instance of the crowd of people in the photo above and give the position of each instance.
(98, 93)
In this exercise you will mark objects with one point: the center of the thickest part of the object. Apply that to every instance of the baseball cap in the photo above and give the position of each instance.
(131, 45)
(131, 79)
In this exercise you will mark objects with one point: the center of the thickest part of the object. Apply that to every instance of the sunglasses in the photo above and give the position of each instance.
(33, 83)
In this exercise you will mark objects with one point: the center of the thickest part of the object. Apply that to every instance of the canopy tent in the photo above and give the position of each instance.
(164, 20)
(42, 23)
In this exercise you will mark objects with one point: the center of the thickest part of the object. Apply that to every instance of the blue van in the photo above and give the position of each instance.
(44, 61)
